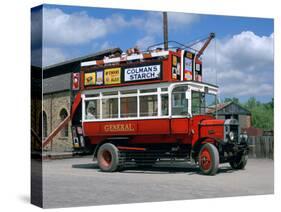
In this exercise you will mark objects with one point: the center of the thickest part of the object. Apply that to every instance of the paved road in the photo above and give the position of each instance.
(78, 182)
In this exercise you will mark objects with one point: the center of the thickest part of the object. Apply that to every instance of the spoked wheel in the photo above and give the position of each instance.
(239, 162)
(108, 157)
(208, 159)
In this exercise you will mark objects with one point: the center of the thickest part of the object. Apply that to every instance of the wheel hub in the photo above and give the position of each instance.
(205, 159)
(106, 158)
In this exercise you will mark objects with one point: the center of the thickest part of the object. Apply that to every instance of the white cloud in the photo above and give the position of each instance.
(145, 42)
(181, 20)
(152, 25)
(60, 28)
(244, 65)
(52, 56)
(105, 45)
(69, 29)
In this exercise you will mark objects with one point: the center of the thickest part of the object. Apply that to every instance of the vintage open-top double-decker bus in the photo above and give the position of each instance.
(144, 107)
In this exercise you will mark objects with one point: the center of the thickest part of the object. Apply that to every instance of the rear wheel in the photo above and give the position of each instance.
(239, 162)
(208, 159)
(108, 157)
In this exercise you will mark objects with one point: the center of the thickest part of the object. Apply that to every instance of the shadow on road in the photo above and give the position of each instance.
(85, 166)
(167, 168)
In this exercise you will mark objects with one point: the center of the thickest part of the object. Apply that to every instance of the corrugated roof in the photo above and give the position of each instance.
(57, 83)
(228, 108)
(85, 58)
(60, 77)
(212, 109)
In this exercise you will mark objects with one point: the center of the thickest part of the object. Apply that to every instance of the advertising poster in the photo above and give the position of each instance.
(112, 76)
(147, 72)
(99, 77)
(90, 78)
(187, 69)
(175, 60)
(75, 81)
(174, 72)
(176, 68)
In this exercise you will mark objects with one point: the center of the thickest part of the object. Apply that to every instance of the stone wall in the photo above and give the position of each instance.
(53, 105)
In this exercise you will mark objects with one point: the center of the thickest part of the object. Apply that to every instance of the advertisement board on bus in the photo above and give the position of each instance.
(141, 73)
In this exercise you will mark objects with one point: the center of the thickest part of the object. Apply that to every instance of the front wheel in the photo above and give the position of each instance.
(209, 159)
(239, 162)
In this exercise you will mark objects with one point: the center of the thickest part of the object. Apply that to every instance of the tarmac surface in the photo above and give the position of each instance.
(79, 182)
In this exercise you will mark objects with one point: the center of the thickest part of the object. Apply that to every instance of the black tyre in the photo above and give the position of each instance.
(108, 157)
(239, 162)
(209, 159)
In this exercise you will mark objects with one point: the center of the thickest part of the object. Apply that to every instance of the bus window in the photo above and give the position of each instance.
(128, 107)
(148, 105)
(164, 105)
(197, 102)
(202, 102)
(110, 108)
(179, 101)
(92, 109)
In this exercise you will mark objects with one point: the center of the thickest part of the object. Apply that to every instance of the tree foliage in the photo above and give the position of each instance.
(262, 113)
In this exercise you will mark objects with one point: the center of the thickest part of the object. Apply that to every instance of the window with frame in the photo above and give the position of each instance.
(128, 107)
(164, 105)
(148, 105)
(196, 102)
(63, 115)
(110, 108)
(45, 125)
(179, 101)
(202, 102)
(92, 109)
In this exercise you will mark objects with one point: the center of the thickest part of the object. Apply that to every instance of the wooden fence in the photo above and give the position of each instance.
(261, 147)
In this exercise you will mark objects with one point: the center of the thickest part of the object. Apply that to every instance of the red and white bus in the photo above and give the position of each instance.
(146, 107)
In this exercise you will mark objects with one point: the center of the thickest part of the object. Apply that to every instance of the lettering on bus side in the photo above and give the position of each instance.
(119, 128)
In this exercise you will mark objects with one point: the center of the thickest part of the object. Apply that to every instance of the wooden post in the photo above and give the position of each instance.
(165, 30)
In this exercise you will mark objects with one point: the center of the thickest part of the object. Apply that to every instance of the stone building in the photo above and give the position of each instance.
(56, 107)
(57, 99)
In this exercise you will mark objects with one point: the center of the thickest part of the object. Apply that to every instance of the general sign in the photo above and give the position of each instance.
(140, 73)
(119, 127)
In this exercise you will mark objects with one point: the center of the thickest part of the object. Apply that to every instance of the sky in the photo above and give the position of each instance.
(240, 60)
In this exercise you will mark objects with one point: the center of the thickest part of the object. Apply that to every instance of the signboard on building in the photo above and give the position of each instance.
(142, 73)
(112, 76)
